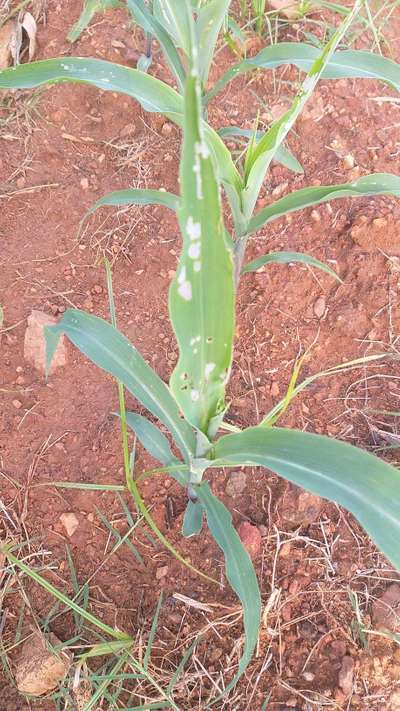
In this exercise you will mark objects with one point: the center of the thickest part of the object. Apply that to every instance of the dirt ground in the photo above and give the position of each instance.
(60, 154)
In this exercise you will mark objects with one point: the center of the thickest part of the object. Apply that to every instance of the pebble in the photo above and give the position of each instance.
(69, 522)
(250, 537)
(315, 216)
(346, 675)
(167, 129)
(348, 162)
(84, 184)
(319, 307)
(274, 389)
(17, 404)
(236, 484)
(162, 572)
(386, 609)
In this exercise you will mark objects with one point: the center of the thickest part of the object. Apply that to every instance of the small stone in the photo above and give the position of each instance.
(236, 484)
(250, 537)
(39, 669)
(346, 675)
(162, 572)
(287, 8)
(17, 404)
(21, 182)
(309, 676)
(280, 189)
(315, 216)
(274, 389)
(348, 162)
(69, 522)
(319, 307)
(127, 130)
(386, 609)
(97, 289)
(167, 129)
(35, 345)
(300, 508)
(117, 44)
(84, 184)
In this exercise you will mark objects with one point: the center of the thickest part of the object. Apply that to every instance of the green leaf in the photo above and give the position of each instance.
(152, 94)
(264, 151)
(112, 352)
(155, 443)
(374, 184)
(239, 571)
(286, 258)
(193, 519)
(137, 196)
(208, 25)
(283, 155)
(204, 279)
(174, 18)
(151, 25)
(362, 483)
(89, 10)
(348, 64)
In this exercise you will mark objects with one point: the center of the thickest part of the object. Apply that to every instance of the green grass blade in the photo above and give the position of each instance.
(239, 572)
(365, 485)
(283, 155)
(64, 599)
(137, 196)
(152, 633)
(265, 150)
(286, 258)
(150, 24)
(374, 184)
(151, 93)
(89, 10)
(181, 665)
(112, 352)
(347, 64)
(204, 278)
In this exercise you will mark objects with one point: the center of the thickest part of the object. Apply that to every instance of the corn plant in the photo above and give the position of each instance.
(192, 407)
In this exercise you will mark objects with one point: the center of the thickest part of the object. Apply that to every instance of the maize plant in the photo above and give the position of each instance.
(192, 407)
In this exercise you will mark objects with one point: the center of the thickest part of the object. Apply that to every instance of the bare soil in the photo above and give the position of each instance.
(78, 143)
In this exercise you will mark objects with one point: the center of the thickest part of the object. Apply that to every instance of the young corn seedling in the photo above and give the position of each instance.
(202, 295)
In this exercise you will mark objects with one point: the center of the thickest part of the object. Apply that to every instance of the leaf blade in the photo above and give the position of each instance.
(365, 485)
(286, 258)
(204, 278)
(374, 184)
(112, 352)
(136, 196)
(239, 572)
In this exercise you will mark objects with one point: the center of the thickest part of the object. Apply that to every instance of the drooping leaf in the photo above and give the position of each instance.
(112, 352)
(286, 258)
(137, 196)
(155, 443)
(193, 519)
(374, 184)
(201, 299)
(264, 151)
(150, 24)
(362, 483)
(347, 64)
(239, 572)
(153, 95)
(90, 8)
